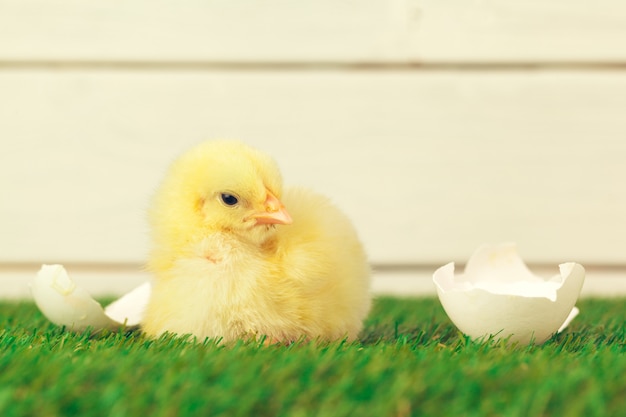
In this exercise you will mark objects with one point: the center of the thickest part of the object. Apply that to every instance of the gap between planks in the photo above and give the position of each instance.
(106, 280)
(304, 66)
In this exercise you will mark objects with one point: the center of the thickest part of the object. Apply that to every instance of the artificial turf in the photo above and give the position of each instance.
(410, 360)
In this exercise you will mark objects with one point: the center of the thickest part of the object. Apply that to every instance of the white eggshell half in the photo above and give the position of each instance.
(65, 304)
(498, 296)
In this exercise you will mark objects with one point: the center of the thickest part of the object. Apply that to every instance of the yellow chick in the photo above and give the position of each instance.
(234, 257)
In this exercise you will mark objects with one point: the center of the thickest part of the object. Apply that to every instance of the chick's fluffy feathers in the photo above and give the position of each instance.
(218, 275)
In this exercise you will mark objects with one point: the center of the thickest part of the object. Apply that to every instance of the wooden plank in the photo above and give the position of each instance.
(424, 31)
(429, 165)
(219, 30)
(518, 31)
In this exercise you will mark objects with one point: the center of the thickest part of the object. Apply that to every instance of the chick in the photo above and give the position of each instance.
(236, 257)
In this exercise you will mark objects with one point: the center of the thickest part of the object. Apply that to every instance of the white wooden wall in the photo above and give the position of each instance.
(436, 125)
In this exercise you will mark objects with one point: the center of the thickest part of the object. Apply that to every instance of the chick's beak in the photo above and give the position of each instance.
(273, 212)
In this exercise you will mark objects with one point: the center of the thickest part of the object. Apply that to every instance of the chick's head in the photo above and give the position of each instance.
(218, 187)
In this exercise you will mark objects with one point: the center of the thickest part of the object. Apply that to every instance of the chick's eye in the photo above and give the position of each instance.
(229, 199)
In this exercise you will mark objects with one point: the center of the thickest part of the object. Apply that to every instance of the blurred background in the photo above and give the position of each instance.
(436, 125)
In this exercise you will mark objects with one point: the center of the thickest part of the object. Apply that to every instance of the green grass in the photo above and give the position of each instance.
(410, 361)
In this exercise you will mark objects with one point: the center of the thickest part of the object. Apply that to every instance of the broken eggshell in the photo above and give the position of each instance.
(497, 296)
(65, 304)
